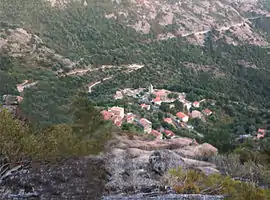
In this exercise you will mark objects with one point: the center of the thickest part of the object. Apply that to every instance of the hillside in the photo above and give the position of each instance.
(217, 52)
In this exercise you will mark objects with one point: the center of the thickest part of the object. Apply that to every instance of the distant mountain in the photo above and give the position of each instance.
(192, 19)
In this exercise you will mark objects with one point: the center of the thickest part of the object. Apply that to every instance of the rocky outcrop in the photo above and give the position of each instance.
(158, 196)
(137, 165)
(127, 168)
(18, 42)
(78, 178)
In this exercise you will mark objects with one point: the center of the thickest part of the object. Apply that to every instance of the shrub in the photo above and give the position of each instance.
(193, 181)
(18, 141)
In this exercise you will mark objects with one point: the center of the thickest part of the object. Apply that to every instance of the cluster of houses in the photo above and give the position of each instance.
(153, 98)
(118, 117)
(162, 96)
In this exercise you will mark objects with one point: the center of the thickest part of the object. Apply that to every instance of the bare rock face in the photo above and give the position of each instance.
(80, 178)
(192, 19)
(138, 166)
(18, 42)
(161, 161)
(127, 168)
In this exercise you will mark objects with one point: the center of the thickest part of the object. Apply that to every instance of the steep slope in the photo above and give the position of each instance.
(99, 33)
(192, 19)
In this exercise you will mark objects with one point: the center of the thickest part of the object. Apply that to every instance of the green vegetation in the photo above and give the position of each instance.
(193, 181)
(84, 34)
(88, 135)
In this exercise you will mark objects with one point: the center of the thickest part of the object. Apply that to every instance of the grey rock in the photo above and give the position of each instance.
(158, 196)
(58, 181)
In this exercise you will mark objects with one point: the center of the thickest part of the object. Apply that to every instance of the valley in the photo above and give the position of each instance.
(137, 80)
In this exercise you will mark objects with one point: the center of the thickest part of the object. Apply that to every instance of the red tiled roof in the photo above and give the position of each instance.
(169, 133)
(155, 133)
(261, 130)
(157, 99)
(144, 121)
(160, 93)
(144, 106)
(207, 111)
(181, 115)
(168, 120)
(196, 103)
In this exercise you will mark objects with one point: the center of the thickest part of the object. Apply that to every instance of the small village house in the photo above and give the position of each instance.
(261, 133)
(118, 121)
(169, 133)
(157, 101)
(196, 104)
(115, 114)
(168, 120)
(162, 94)
(118, 95)
(182, 116)
(106, 115)
(145, 106)
(146, 124)
(118, 111)
(196, 114)
(207, 112)
(130, 118)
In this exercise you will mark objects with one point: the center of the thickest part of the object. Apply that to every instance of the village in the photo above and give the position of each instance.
(150, 99)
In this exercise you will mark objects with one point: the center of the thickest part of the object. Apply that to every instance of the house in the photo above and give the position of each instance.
(157, 101)
(145, 106)
(130, 117)
(118, 111)
(162, 94)
(169, 133)
(196, 104)
(182, 116)
(168, 120)
(118, 95)
(118, 121)
(196, 114)
(106, 114)
(155, 133)
(207, 112)
(115, 114)
(146, 124)
(261, 133)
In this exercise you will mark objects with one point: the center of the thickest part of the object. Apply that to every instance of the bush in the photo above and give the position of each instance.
(18, 141)
(193, 181)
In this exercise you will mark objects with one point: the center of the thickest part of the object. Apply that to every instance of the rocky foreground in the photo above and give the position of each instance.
(131, 169)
